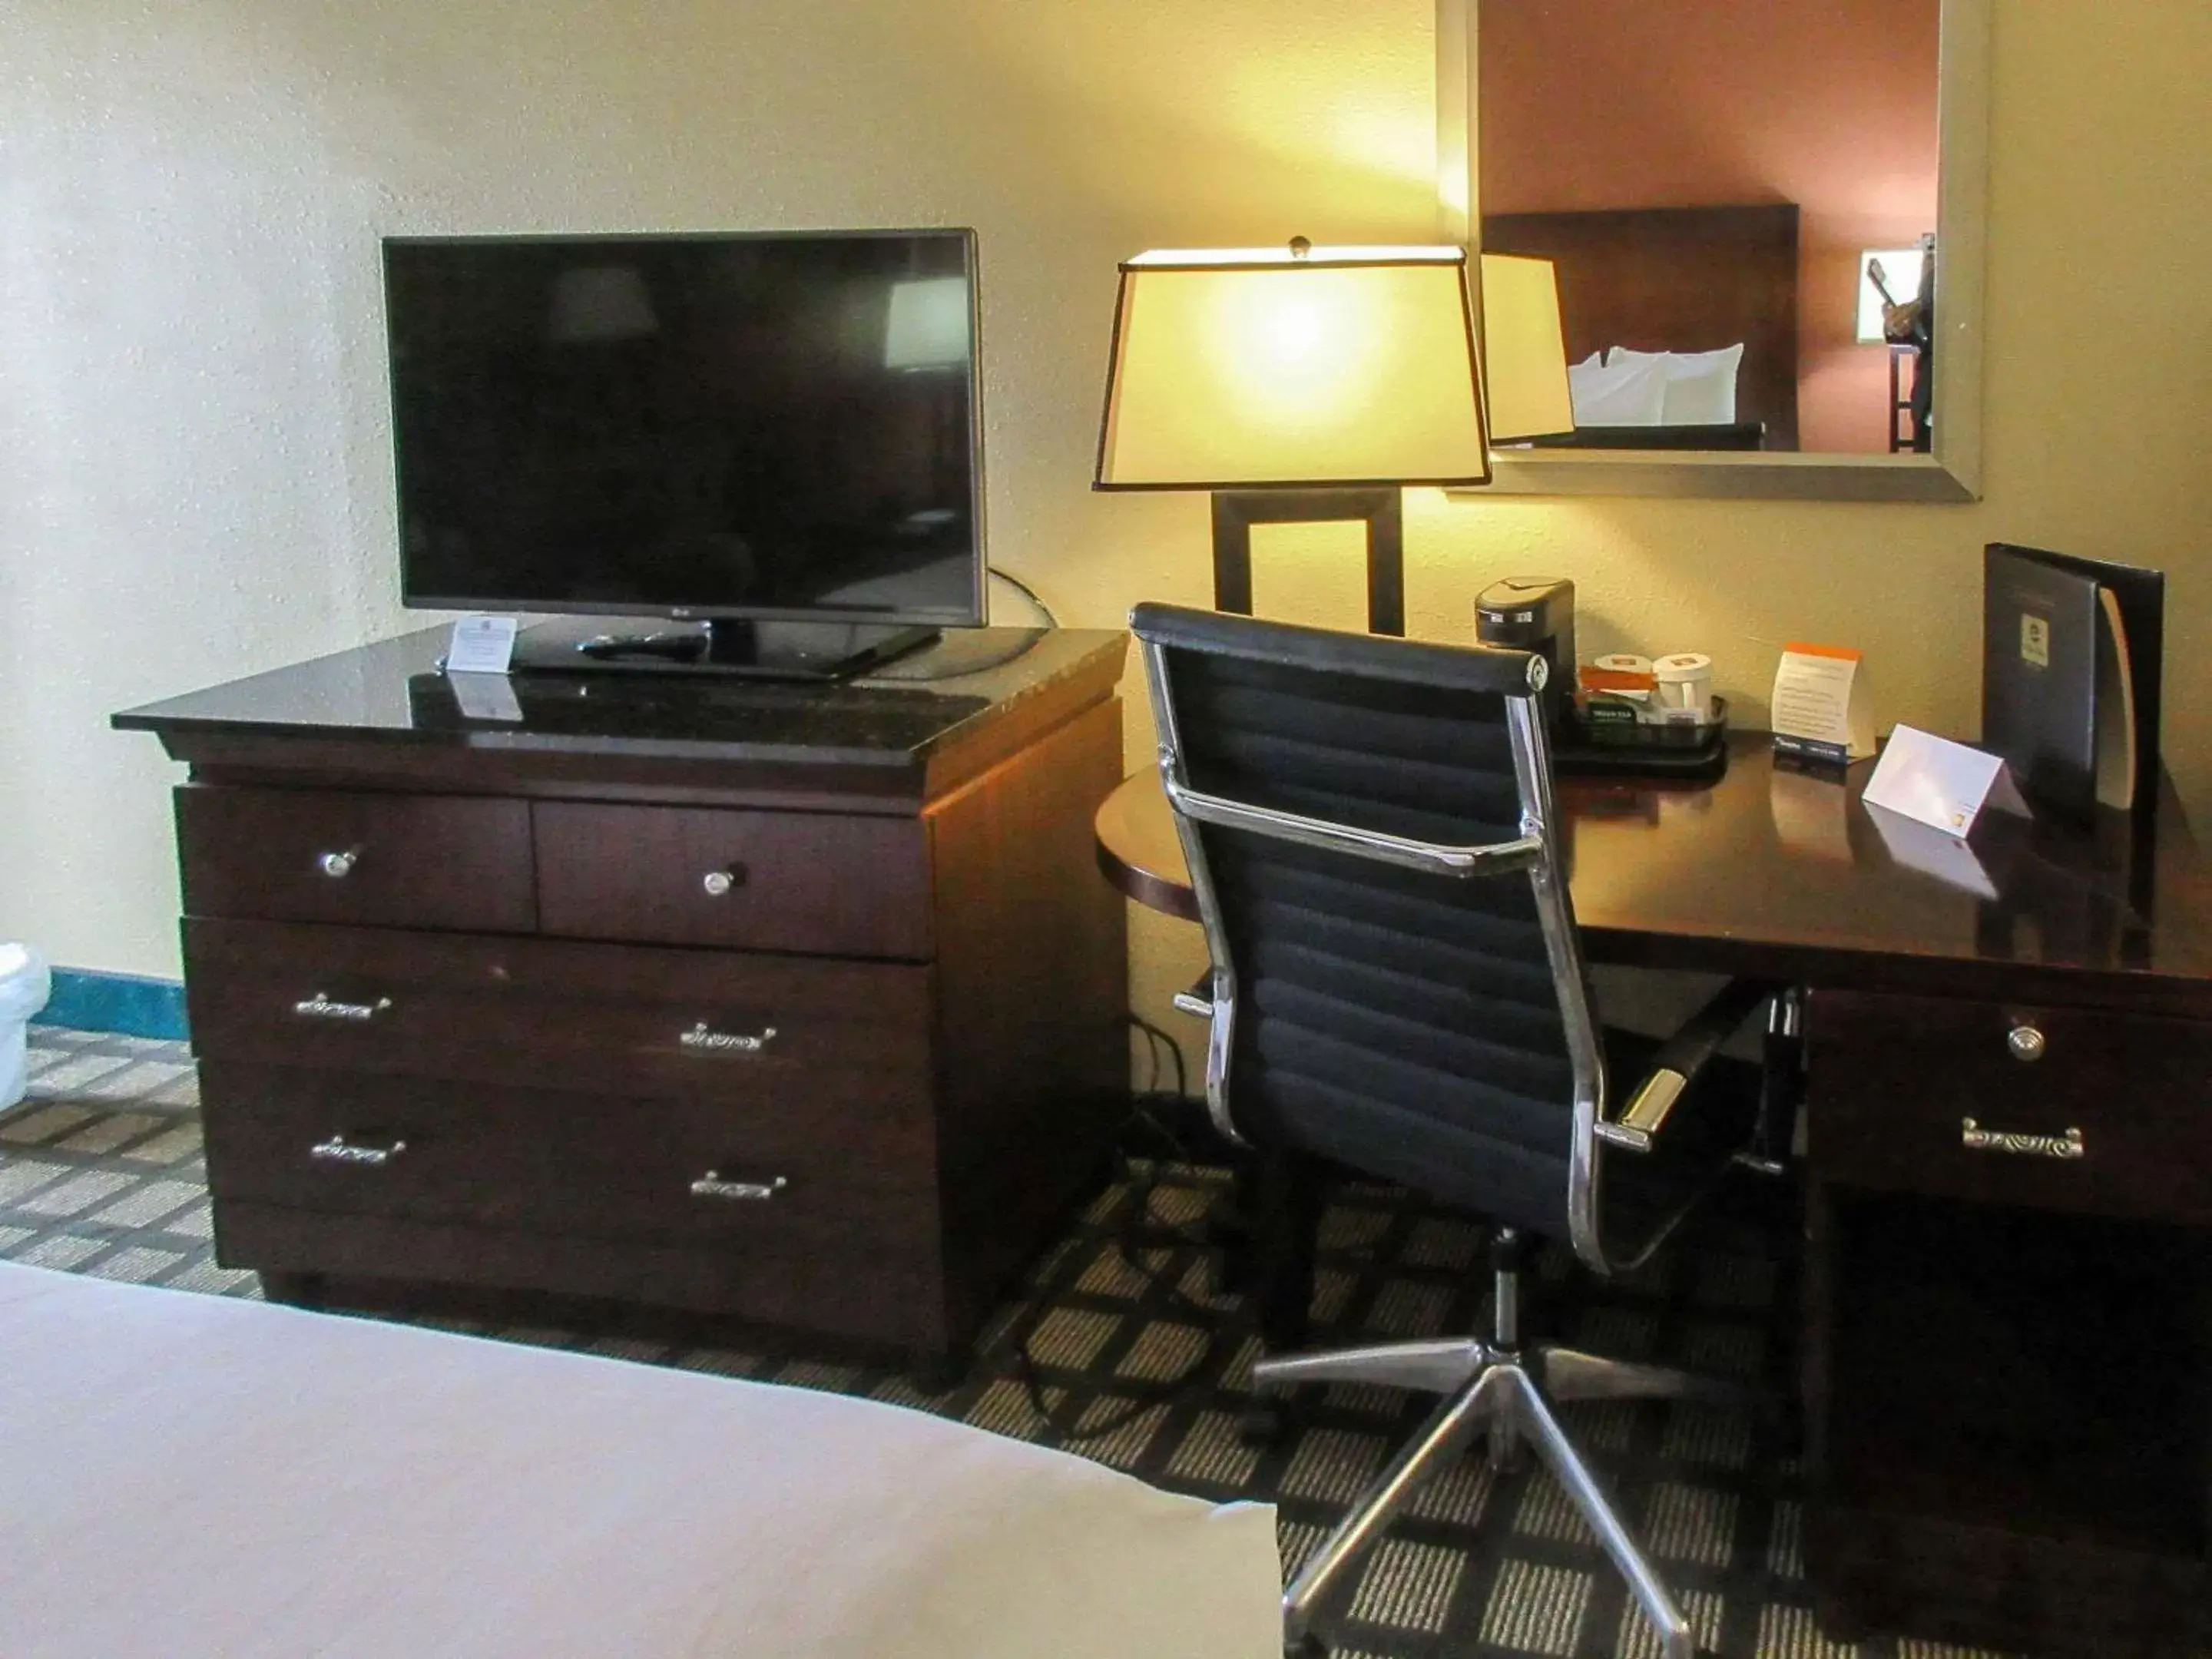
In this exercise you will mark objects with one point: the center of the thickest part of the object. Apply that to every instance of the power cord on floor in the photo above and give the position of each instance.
(1137, 1231)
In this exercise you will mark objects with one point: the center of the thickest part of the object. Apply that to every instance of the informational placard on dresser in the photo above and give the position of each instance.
(1820, 707)
(482, 645)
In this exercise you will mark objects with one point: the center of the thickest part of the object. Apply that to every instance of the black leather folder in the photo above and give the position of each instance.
(2072, 658)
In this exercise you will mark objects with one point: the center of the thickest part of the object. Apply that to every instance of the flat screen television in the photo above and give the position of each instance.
(775, 437)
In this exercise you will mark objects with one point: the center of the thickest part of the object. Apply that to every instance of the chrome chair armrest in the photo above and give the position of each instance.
(1199, 999)
(1682, 1057)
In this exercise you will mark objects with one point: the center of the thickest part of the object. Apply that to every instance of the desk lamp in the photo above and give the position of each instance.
(1298, 384)
(1524, 348)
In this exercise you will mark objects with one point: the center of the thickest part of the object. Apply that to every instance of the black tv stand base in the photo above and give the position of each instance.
(769, 651)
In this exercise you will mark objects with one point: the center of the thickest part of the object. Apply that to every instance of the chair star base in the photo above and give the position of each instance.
(1494, 1388)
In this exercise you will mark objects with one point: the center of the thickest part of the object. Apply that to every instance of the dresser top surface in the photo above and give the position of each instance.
(900, 715)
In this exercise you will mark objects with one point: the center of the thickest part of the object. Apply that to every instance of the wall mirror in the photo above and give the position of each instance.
(1714, 182)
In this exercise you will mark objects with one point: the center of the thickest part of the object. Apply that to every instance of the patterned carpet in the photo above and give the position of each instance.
(100, 1173)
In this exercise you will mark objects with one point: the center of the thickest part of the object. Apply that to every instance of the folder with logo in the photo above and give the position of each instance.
(2072, 652)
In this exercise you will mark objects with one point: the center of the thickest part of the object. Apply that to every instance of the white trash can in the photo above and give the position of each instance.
(25, 984)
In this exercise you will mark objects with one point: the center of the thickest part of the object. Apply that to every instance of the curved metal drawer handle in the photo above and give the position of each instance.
(320, 1006)
(338, 1150)
(703, 1039)
(714, 1184)
(2068, 1147)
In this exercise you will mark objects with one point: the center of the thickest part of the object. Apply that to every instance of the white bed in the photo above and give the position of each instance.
(187, 1476)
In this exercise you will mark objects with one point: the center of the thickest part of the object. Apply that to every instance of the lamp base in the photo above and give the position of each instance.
(1381, 510)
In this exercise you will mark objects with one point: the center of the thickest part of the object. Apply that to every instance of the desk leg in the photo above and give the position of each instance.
(1781, 1083)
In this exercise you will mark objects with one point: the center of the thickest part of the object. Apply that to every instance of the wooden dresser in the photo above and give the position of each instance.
(798, 1005)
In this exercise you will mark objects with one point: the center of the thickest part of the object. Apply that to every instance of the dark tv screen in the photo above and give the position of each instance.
(774, 426)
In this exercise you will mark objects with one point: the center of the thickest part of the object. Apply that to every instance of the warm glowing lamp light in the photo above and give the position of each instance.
(1297, 385)
(1524, 348)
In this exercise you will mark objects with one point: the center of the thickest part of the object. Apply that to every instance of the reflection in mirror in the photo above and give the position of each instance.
(1712, 177)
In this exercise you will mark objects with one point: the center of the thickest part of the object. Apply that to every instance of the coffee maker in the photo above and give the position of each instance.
(1536, 613)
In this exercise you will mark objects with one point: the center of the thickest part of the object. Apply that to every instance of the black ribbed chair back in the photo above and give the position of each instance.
(1384, 1010)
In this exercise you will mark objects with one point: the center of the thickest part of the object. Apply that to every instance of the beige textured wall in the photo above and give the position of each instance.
(194, 482)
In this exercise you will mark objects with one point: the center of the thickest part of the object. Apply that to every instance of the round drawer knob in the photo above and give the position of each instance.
(2026, 1043)
(718, 883)
(338, 866)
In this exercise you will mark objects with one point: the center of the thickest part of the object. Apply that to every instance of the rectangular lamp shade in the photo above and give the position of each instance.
(1260, 368)
(1524, 348)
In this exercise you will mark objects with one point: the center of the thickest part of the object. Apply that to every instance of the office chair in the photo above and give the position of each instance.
(1397, 986)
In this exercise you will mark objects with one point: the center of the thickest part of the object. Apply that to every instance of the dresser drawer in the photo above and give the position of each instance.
(831, 883)
(865, 1292)
(379, 861)
(851, 1039)
(774, 1177)
(2054, 1108)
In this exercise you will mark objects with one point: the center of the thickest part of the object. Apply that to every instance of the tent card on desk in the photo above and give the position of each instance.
(1943, 785)
(1933, 853)
(1924, 798)
(1819, 706)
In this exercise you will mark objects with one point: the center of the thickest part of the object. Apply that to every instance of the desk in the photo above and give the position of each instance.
(2008, 1346)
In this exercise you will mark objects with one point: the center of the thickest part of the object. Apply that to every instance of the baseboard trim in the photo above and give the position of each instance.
(121, 1004)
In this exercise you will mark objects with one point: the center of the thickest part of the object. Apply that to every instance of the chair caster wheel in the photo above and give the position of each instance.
(1267, 1422)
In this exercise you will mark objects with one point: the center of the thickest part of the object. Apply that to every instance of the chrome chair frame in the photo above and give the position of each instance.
(1489, 1387)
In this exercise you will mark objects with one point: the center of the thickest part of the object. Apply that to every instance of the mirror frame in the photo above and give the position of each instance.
(1952, 473)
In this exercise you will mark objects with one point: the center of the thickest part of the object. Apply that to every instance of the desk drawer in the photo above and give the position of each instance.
(382, 860)
(770, 1176)
(2099, 1113)
(852, 1038)
(829, 884)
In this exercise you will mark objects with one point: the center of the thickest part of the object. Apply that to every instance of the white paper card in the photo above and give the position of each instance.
(482, 645)
(1942, 784)
(485, 697)
(1819, 706)
(1933, 853)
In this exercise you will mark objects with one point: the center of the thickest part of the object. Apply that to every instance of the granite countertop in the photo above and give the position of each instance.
(393, 692)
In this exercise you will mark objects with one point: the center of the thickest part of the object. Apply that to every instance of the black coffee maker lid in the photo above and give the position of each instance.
(1532, 594)
(1523, 591)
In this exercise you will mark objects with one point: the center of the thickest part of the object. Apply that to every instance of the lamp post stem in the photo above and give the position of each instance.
(1381, 510)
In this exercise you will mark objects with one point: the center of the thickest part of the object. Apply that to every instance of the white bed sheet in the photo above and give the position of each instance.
(186, 1475)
